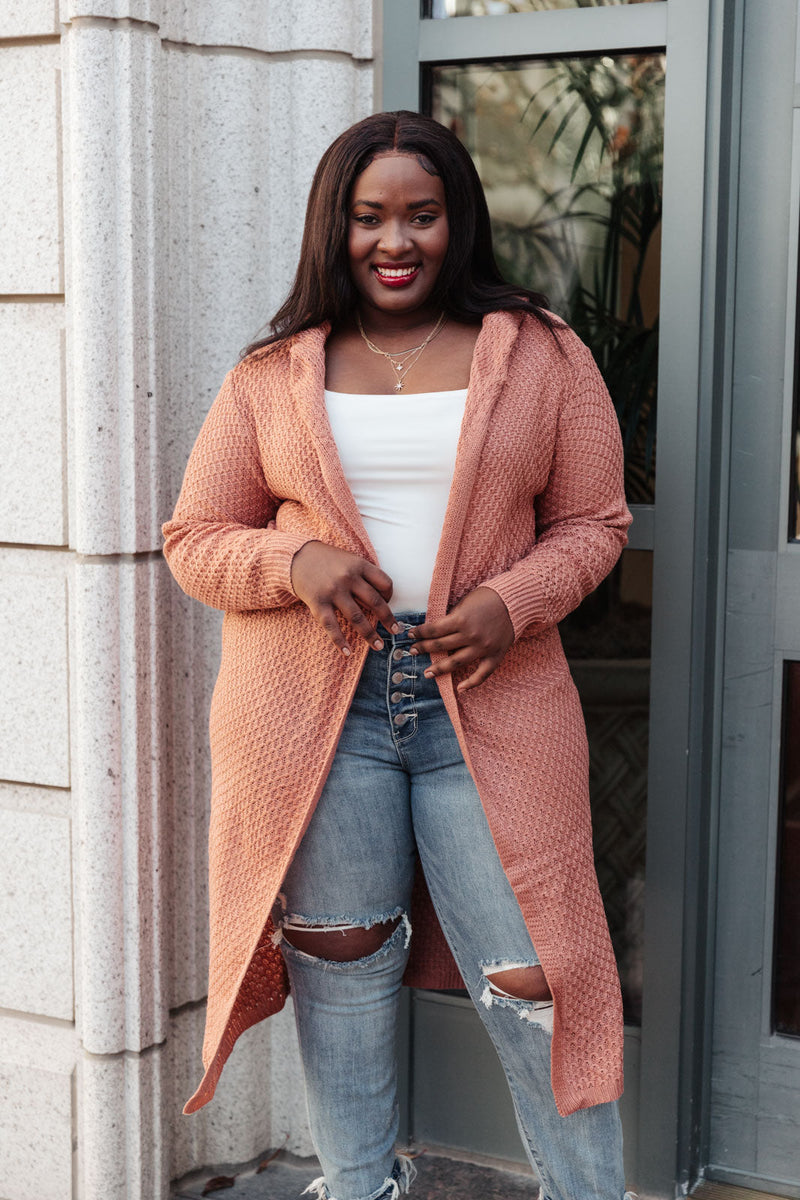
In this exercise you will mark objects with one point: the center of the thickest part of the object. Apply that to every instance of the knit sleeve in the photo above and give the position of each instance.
(222, 544)
(581, 515)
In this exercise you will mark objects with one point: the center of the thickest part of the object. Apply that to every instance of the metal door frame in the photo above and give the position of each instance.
(685, 528)
(762, 336)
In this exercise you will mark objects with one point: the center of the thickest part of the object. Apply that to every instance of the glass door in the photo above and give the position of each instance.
(583, 123)
(570, 152)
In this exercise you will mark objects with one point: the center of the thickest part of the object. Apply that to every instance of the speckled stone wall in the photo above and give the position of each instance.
(155, 157)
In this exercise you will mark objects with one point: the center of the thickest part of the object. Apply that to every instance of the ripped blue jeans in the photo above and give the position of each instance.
(399, 786)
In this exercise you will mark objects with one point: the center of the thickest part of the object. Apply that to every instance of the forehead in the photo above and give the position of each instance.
(397, 175)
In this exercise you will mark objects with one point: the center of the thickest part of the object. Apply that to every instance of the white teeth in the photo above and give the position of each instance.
(395, 272)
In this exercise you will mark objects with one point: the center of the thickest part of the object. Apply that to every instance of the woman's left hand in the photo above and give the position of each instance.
(477, 628)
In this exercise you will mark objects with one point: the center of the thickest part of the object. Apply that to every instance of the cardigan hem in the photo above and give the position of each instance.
(569, 1102)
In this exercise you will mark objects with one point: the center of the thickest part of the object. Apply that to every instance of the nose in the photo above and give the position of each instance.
(394, 238)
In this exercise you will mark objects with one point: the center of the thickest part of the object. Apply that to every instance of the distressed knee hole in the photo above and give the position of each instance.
(345, 943)
(519, 983)
(520, 987)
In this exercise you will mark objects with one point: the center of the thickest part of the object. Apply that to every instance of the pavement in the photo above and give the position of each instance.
(284, 1177)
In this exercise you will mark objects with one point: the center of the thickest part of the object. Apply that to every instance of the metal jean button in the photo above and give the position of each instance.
(400, 719)
(396, 697)
(398, 677)
(398, 654)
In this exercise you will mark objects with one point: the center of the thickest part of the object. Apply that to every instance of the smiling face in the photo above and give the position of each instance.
(398, 235)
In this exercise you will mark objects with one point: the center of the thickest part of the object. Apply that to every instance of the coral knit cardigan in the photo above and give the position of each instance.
(536, 512)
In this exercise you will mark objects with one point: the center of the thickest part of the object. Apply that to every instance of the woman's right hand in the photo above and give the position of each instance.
(329, 580)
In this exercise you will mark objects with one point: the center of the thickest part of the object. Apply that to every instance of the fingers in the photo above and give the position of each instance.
(486, 666)
(477, 628)
(356, 618)
(448, 644)
(446, 666)
(356, 592)
(325, 616)
(366, 584)
(481, 673)
(379, 580)
(334, 584)
(375, 601)
(435, 629)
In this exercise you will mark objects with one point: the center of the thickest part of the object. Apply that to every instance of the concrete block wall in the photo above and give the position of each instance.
(155, 157)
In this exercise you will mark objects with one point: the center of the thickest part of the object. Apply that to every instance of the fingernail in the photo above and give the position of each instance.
(413, 650)
(346, 651)
(378, 644)
(395, 628)
(428, 674)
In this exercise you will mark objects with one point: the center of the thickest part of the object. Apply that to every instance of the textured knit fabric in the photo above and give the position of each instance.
(537, 512)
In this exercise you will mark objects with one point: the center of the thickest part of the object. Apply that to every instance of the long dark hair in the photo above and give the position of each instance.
(469, 283)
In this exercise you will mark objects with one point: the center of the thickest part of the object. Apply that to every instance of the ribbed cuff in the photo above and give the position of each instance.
(524, 597)
(276, 566)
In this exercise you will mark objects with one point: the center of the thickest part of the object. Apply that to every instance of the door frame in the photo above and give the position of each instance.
(762, 383)
(686, 528)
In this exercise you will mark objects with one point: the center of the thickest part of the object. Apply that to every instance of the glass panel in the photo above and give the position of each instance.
(497, 8)
(794, 486)
(570, 155)
(607, 641)
(786, 989)
(794, 477)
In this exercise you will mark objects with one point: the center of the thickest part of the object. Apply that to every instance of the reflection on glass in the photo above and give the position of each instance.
(794, 477)
(607, 641)
(794, 473)
(786, 989)
(498, 8)
(794, 520)
(570, 155)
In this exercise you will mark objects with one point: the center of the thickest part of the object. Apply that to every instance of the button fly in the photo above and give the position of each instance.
(400, 719)
(398, 677)
(398, 654)
(396, 697)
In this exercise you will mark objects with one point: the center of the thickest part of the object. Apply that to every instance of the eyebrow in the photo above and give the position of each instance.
(413, 205)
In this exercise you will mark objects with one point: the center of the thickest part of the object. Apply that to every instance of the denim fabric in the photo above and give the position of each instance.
(399, 786)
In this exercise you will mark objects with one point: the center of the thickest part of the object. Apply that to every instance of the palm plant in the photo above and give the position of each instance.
(604, 117)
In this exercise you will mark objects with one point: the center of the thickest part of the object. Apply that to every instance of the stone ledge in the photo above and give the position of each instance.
(282, 25)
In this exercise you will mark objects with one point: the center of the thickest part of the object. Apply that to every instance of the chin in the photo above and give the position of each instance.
(396, 301)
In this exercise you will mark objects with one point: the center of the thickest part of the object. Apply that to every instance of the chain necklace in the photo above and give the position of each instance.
(400, 358)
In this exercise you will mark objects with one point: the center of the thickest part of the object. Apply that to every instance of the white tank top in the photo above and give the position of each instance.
(398, 454)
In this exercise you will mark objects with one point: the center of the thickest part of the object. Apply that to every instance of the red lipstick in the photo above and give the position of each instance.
(393, 276)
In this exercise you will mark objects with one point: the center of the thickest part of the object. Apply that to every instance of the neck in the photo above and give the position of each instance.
(381, 324)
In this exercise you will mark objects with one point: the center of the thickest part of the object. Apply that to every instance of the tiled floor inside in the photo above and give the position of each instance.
(285, 1177)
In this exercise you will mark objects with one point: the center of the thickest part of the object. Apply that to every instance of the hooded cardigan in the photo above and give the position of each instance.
(537, 512)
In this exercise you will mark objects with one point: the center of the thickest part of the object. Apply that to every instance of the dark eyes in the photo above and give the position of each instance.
(424, 219)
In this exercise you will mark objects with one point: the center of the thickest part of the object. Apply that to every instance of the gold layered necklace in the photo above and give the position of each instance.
(402, 360)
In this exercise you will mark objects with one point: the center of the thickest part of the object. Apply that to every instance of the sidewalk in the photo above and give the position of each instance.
(285, 1177)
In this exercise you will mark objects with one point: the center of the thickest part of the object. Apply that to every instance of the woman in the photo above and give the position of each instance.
(395, 498)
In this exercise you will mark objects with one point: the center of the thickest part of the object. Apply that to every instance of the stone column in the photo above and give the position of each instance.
(153, 176)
